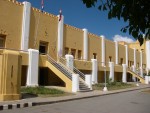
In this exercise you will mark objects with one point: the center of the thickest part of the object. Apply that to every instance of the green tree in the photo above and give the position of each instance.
(135, 12)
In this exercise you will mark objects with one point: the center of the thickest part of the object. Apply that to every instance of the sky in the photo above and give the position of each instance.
(76, 14)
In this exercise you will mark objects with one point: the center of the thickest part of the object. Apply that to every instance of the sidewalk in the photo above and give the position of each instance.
(28, 102)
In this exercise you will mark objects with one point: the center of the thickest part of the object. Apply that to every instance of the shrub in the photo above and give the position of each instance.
(41, 90)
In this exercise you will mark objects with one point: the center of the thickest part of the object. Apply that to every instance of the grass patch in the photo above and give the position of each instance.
(113, 86)
(42, 91)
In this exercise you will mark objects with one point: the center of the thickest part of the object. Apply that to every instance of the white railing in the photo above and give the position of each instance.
(60, 67)
(135, 73)
(75, 70)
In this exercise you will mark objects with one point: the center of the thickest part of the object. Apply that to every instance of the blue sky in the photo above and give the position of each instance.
(76, 14)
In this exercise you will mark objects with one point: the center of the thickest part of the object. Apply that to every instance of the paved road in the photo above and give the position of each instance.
(127, 102)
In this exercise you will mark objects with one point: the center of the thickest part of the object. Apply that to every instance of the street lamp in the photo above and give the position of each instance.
(137, 84)
(105, 88)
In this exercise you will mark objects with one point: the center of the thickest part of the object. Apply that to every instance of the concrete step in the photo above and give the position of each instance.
(85, 90)
(83, 87)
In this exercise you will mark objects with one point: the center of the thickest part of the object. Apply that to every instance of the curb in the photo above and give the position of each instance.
(30, 104)
(15, 106)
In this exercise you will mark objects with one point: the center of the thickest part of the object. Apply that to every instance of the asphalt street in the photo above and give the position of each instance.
(126, 102)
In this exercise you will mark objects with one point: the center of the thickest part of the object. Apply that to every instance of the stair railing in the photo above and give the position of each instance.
(135, 73)
(75, 70)
(59, 67)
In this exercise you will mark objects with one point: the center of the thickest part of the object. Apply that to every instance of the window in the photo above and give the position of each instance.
(121, 60)
(66, 50)
(94, 55)
(79, 54)
(137, 64)
(43, 47)
(132, 63)
(2, 41)
(129, 63)
(110, 58)
(73, 52)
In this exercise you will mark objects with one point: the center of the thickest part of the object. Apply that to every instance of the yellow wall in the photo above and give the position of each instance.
(137, 45)
(94, 46)
(144, 58)
(109, 51)
(73, 39)
(118, 68)
(10, 23)
(121, 54)
(24, 56)
(138, 59)
(10, 75)
(83, 65)
(45, 31)
(131, 54)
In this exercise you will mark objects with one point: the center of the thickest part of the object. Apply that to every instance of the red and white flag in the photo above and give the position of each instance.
(60, 15)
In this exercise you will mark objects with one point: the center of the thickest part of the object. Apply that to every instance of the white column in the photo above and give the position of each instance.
(75, 82)
(60, 36)
(85, 44)
(111, 75)
(147, 71)
(141, 72)
(25, 25)
(135, 57)
(103, 50)
(88, 81)
(126, 49)
(141, 62)
(32, 77)
(94, 71)
(134, 66)
(124, 74)
(69, 61)
(141, 59)
(148, 54)
(116, 48)
(134, 70)
(146, 79)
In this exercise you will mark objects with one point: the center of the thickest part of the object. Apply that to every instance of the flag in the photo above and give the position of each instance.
(42, 5)
(60, 15)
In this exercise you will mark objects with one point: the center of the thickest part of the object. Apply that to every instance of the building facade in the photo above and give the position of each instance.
(37, 48)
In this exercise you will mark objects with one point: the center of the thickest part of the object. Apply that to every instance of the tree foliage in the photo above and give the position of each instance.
(135, 12)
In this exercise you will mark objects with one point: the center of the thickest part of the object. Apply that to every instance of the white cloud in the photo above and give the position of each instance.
(122, 38)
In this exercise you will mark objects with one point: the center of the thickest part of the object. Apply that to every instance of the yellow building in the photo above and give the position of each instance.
(38, 49)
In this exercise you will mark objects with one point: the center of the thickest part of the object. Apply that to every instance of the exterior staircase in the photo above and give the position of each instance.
(82, 85)
(142, 80)
(59, 67)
